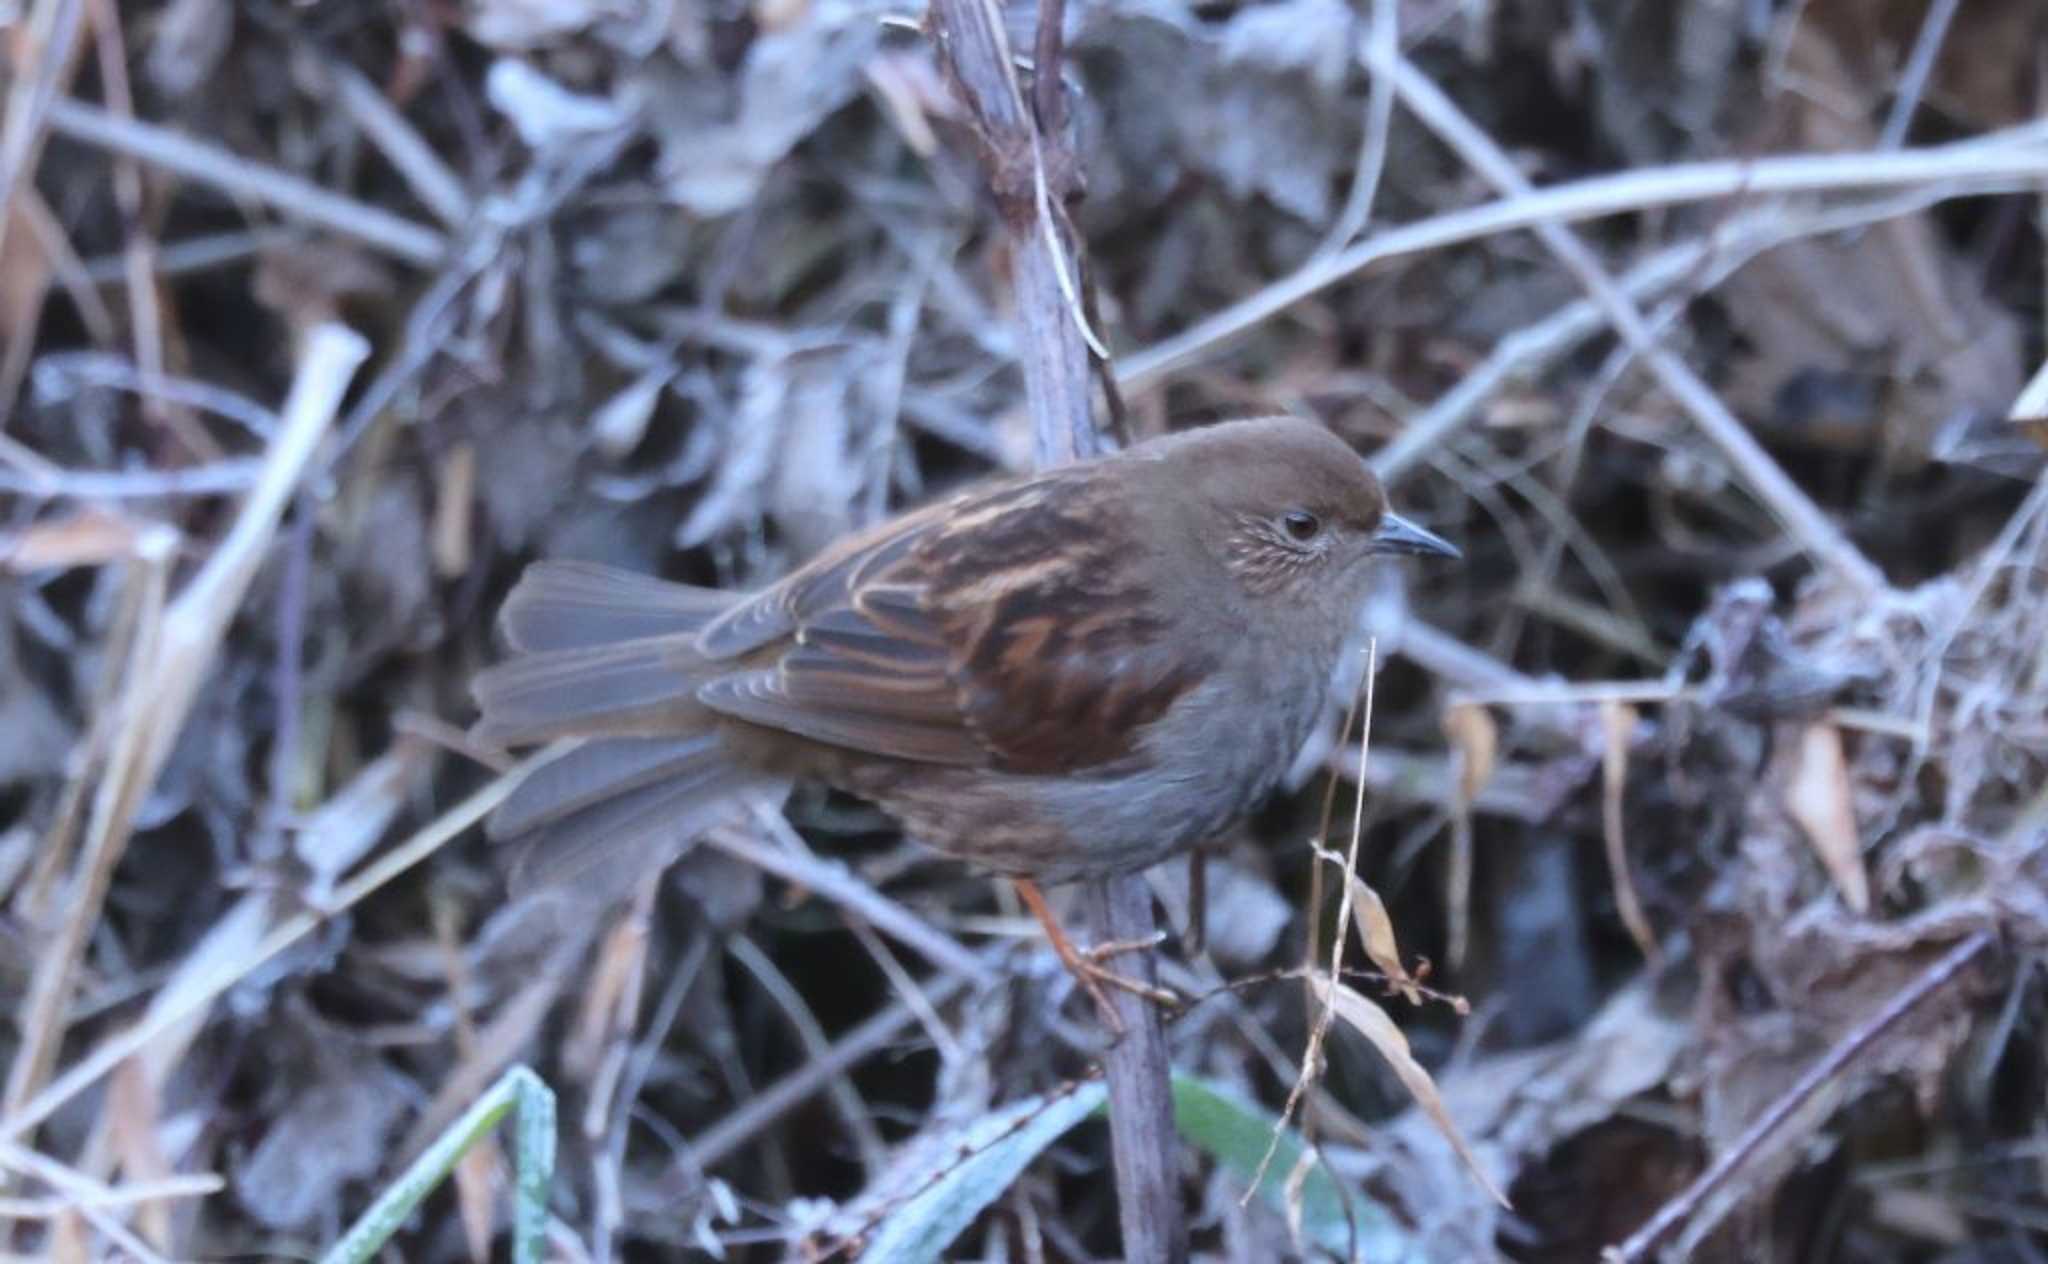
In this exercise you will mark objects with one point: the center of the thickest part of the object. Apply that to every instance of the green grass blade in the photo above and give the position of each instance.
(997, 1147)
(1236, 1133)
(520, 1090)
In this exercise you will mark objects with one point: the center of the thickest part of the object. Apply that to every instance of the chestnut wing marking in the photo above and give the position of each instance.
(985, 632)
(815, 589)
(1061, 661)
(864, 666)
(766, 697)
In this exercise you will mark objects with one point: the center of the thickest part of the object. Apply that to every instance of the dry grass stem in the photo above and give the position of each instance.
(2008, 159)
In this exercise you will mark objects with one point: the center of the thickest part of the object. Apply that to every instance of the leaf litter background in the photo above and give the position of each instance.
(1671, 793)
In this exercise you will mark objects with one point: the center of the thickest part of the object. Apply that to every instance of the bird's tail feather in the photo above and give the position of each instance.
(596, 651)
(616, 809)
(610, 656)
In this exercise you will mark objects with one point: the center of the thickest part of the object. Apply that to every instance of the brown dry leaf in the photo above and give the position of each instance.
(1370, 1021)
(619, 958)
(474, 1201)
(1472, 731)
(25, 274)
(454, 510)
(332, 1130)
(1375, 928)
(134, 1117)
(1476, 738)
(1618, 723)
(776, 15)
(307, 283)
(91, 537)
(1817, 796)
(912, 93)
(1881, 337)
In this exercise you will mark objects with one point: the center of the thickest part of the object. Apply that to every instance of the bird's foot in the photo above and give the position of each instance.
(1085, 964)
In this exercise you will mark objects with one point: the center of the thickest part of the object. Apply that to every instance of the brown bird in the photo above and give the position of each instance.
(1062, 676)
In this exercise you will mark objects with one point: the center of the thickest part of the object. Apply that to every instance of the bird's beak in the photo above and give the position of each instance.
(1398, 535)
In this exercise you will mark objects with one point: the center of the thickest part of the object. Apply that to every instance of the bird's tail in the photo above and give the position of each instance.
(608, 656)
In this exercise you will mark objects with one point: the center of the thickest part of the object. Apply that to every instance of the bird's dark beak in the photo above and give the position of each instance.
(1398, 535)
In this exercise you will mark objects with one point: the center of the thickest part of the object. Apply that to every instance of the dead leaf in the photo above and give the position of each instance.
(91, 537)
(1370, 1021)
(1817, 796)
(524, 24)
(1618, 723)
(1375, 928)
(1472, 731)
(25, 274)
(474, 1198)
(1476, 738)
(331, 1132)
(2032, 404)
(190, 39)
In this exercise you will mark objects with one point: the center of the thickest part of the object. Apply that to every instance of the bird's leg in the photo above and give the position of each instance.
(1196, 935)
(1086, 964)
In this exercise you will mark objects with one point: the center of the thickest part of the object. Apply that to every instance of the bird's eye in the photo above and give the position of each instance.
(1301, 524)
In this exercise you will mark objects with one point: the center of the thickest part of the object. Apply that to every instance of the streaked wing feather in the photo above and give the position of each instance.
(1062, 660)
(989, 631)
(852, 715)
(818, 587)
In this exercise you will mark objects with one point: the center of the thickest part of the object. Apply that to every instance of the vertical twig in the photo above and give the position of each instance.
(1032, 173)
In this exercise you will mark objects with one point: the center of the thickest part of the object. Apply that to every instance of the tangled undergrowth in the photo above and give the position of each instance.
(1713, 781)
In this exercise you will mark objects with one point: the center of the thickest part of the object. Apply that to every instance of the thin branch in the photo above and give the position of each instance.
(1384, 37)
(845, 1098)
(1032, 172)
(834, 882)
(713, 1145)
(432, 181)
(1810, 1082)
(2012, 158)
(1926, 45)
(1765, 478)
(230, 172)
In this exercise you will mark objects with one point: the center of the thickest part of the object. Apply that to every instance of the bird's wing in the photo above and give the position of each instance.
(1000, 629)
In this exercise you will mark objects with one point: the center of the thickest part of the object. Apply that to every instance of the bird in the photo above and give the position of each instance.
(1054, 677)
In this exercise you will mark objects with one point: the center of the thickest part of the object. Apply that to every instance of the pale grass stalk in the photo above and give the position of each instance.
(1384, 38)
(167, 1012)
(117, 1196)
(2004, 159)
(1764, 477)
(84, 1195)
(436, 185)
(45, 44)
(171, 151)
(1311, 1058)
(41, 1020)
(138, 252)
(166, 671)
